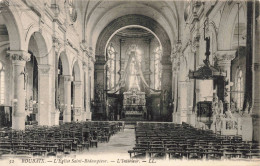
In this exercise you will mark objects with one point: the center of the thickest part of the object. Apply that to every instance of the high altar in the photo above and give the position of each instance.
(134, 105)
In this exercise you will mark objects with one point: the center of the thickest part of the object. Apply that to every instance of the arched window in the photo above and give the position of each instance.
(157, 68)
(239, 89)
(111, 66)
(2, 84)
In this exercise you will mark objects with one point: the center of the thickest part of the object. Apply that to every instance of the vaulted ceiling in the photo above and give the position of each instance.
(98, 15)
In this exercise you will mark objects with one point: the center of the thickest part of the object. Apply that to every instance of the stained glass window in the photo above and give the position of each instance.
(111, 60)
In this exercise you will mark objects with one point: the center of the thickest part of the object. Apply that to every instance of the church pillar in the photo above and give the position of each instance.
(224, 62)
(67, 98)
(256, 80)
(44, 93)
(87, 115)
(100, 85)
(175, 70)
(166, 82)
(182, 111)
(77, 105)
(88, 96)
(19, 59)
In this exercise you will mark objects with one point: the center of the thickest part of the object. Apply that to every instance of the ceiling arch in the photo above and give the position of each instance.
(102, 13)
(137, 20)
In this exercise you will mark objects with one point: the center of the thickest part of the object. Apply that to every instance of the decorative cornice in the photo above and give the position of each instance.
(19, 55)
(71, 45)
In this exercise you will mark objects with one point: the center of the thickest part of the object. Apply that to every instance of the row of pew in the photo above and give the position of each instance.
(179, 141)
(50, 141)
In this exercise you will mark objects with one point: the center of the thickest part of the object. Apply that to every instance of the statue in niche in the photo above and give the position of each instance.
(233, 106)
(228, 113)
(99, 94)
(165, 95)
(221, 107)
(247, 110)
(216, 124)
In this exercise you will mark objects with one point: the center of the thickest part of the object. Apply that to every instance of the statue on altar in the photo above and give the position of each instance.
(221, 107)
(228, 113)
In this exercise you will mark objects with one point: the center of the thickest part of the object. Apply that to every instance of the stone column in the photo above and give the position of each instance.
(182, 112)
(19, 59)
(166, 81)
(224, 62)
(67, 98)
(100, 85)
(91, 76)
(87, 92)
(45, 95)
(175, 70)
(78, 101)
(256, 82)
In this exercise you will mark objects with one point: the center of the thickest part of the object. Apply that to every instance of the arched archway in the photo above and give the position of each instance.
(152, 27)
(76, 94)
(38, 91)
(227, 22)
(13, 39)
(11, 19)
(63, 94)
(134, 20)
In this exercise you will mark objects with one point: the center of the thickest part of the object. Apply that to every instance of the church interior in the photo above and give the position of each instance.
(158, 79)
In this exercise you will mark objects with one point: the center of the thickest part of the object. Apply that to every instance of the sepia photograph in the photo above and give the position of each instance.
(129, 82)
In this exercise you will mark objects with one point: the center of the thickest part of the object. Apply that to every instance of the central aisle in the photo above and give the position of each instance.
(118, 145)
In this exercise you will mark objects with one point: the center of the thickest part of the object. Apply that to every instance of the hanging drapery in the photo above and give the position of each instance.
(122, 82)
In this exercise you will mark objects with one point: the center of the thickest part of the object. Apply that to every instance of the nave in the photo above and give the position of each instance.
(72, 72)
(147, 140)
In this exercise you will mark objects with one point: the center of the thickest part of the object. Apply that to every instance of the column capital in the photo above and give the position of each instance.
(44, 69)
(77, 84)
(256, 67)
(77, 111)
(19, 55)
(175, 64)
(85, 66)
(68, 78)
(83, 46)
(176, 50)
(225, 55)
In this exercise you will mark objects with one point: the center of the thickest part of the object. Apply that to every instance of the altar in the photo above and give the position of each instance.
(134, 105)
